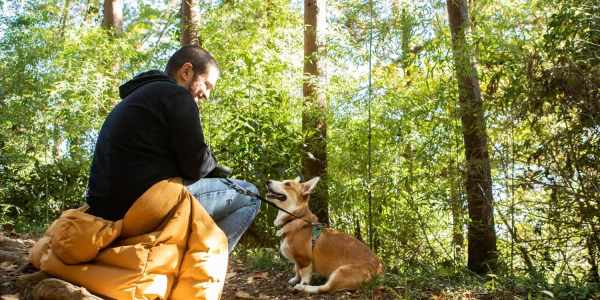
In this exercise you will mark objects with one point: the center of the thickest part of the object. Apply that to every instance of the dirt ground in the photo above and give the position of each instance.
(13, 262)
(242, 282)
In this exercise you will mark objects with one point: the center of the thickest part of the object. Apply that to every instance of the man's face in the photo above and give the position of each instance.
(202, 84)
(199, 85)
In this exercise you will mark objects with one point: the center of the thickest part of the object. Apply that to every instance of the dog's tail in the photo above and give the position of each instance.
(348, 277)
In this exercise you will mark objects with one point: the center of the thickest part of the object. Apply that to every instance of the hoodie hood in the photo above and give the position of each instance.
(141, 80)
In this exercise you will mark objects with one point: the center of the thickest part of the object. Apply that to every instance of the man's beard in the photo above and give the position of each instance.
(196, 99)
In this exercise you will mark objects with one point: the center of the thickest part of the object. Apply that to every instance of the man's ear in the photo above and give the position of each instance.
(186, 72)
(309, 186)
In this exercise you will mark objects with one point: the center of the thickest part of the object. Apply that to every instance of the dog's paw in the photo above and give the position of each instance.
(311, 289)
(294, 280)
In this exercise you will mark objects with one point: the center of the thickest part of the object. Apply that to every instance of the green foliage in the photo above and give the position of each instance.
(44, 192)
(538, 68)
(62, 83)
(261, 259)
(253, 119)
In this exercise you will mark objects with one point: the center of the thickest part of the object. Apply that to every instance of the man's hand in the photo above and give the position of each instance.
(219, 172)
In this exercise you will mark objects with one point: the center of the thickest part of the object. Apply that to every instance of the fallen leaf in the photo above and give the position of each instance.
(548, 293)
(257, 275)
(263, 275)
(230, 275)
(243, 295)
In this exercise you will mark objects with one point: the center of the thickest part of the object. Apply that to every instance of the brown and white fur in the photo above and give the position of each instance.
(344, 260)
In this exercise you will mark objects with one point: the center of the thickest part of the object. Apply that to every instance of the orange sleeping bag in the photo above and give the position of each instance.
(166, 247)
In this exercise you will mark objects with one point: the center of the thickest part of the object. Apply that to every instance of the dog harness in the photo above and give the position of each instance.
(316, 232)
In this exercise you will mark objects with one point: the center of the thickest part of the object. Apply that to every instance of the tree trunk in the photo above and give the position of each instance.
(113, 15)
(314, 125)
(189, 18)
(482, 254)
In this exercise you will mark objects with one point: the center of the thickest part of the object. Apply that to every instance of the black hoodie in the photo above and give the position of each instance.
(154, 133)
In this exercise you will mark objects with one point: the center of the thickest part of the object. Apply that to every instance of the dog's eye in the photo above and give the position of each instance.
(287, 184)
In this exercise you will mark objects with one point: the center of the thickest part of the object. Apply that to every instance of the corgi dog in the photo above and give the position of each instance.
(345, 261)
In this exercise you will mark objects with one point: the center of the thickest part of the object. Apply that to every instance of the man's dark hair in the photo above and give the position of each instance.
(198, 57)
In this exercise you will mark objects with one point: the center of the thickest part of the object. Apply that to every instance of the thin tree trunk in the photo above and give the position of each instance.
(112, 20)
(482, 253)
(456, 205)
(65, 17)
(58, 142)
(408, 186)
(514, 235)
(357, 233)
(113, 15)
(314, 125)
(404, 22)
(189, 19)
(593, 245)
(90, 9)
(58, 137)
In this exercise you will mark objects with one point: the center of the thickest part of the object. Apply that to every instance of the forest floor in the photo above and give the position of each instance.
(249, 277)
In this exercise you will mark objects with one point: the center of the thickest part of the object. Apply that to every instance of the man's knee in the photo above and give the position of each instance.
(247, 186)
(251, 188)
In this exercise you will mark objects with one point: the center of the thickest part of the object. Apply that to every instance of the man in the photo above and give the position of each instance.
(155, 133)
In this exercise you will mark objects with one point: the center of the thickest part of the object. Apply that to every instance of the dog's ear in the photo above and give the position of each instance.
(309, 186)
(297, 179)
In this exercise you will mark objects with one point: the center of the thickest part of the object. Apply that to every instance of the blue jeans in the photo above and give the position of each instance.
(233, 212)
